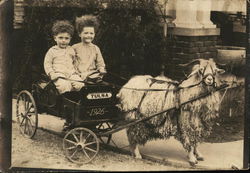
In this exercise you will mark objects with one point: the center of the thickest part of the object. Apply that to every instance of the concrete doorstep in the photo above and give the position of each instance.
(218, 156)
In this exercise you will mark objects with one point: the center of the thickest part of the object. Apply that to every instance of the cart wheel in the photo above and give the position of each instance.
(26, 112)
(104, 127)
(80, 145)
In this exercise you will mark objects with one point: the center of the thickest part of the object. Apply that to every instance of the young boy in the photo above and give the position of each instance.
(59, 60)
(88, 55)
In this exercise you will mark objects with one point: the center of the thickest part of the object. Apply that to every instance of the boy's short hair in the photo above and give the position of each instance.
(62, 26)
(86, 21)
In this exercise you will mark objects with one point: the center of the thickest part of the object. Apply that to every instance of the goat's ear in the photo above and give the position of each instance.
(220, 71)
(201, 69)
(149, 80)
(192, 73)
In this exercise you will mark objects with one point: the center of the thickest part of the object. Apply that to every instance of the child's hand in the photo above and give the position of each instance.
(78, 85)
(83, 76)
(102, 73)
(54, 76)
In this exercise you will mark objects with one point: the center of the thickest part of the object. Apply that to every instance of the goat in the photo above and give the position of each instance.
(190, 124)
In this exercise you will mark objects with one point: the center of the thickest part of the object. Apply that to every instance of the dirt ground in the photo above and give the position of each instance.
(45, 151)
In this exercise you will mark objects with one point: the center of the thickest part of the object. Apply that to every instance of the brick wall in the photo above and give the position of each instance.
(239, 39)
(18, 14)
(183, 49)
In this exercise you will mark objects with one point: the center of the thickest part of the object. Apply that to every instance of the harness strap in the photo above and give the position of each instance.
(141, 89)
(165, 97)
(144, 94)
(223, 95)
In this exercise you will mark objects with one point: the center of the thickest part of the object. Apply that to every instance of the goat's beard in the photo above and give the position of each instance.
(207, 88)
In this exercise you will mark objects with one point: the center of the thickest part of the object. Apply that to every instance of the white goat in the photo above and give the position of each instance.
(190, 124)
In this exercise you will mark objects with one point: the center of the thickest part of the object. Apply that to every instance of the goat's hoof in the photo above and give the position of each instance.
(133, 155)
(138, 157)
(192, 163)
(200, 158)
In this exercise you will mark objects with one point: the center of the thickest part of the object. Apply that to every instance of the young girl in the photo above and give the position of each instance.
(89, 57)
(58, 62)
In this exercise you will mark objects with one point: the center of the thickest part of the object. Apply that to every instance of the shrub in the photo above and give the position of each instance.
(130, 36)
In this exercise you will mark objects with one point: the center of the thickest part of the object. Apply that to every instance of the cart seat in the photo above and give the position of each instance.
(45, 92)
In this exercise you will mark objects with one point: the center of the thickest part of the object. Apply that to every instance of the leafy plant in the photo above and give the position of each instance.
(130, 35)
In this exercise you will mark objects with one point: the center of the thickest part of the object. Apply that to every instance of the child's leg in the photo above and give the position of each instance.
(76, 85)
(63, 85)
(68, 116)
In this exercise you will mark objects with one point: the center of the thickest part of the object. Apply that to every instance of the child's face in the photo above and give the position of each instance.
(87, 35)
(62, 39)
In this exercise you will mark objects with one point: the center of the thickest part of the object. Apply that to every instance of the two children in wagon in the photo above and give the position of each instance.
(69, 65)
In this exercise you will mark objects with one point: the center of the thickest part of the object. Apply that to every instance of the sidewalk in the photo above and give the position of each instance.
(217, 155)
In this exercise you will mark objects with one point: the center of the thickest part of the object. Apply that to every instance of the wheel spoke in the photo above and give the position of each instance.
(24, 101)
(22, 98)
(19, 109)
(72, 142)
(30, 130)
(72, 155)
(81, 136)
(31, 125)
(32, 122)
(25, 126)
(90, 149)
(87, 137)
(90, 143)
(23, 105)
(31, 113)
(18, 115)
(27, 106)
(77, 140)
(28, 111)
(22, 121)
(71, 148)
(86, 153)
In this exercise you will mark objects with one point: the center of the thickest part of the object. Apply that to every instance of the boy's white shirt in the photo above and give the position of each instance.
(89, 59)
(59, 62)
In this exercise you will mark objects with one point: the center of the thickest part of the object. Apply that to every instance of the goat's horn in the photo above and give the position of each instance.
(192, 62)
(220, 64)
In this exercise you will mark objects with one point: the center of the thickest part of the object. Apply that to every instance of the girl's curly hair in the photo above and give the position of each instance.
(86, 21)
(62, 26)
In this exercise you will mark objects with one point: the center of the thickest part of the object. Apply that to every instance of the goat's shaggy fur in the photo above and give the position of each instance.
(147, 103)
(195, 118)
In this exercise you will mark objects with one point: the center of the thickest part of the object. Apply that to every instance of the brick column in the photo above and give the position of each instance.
(188, 44)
